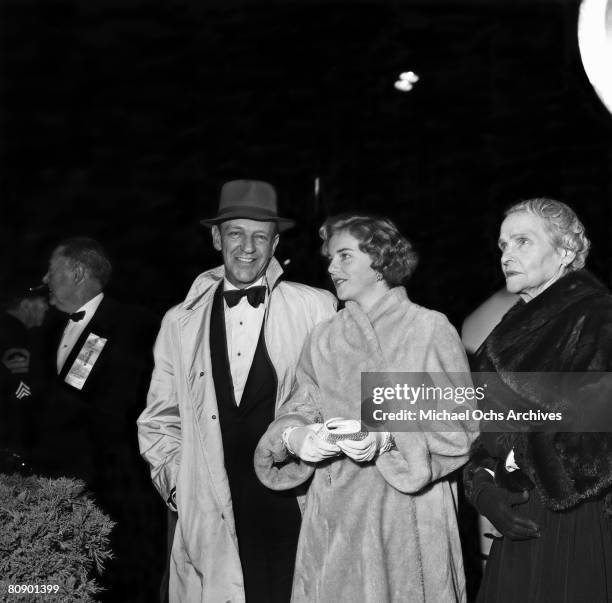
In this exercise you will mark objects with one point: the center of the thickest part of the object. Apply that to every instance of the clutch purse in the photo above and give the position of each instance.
(336, 429)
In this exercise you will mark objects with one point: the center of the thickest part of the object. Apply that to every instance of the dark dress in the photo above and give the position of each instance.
(566, 329)
(569, 563)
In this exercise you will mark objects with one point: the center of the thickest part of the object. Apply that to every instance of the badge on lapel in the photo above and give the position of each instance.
(85, 361)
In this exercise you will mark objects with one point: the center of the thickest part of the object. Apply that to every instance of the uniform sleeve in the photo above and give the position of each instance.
(159, 425)
(434, 448)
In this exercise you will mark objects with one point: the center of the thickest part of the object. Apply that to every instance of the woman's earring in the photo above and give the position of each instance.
(379, 276)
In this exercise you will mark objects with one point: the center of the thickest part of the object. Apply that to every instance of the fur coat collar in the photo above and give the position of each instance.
(565, 329)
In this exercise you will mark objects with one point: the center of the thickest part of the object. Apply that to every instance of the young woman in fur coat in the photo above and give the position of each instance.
(544, 487)
(379, 518)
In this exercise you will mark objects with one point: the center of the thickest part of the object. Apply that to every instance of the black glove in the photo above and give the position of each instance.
(496, 504)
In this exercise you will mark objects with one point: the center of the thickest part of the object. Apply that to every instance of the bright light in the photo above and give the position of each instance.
(409, 76)
(595, 41)
(406, 81)
(403, 86)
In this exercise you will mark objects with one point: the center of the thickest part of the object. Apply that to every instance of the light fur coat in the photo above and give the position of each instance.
(383, 531)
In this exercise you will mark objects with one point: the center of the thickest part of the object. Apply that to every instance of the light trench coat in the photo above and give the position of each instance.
(180, 436)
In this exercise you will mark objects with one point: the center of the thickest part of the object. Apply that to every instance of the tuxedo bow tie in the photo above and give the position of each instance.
(76, 316)
(254, 295)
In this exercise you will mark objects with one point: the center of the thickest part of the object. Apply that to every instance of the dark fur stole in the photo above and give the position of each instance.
(565, 329)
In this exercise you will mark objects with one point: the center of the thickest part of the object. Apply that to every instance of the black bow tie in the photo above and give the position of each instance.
(76, 316)
(254, 295)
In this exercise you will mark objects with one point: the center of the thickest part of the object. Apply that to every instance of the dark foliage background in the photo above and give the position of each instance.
(122, 119)
(52, 534)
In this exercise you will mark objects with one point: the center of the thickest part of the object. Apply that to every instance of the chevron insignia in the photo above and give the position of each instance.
(22, 390)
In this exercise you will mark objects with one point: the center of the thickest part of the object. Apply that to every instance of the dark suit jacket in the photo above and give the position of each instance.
(89, 433)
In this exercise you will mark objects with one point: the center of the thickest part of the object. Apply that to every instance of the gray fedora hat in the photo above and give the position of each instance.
(251, 199)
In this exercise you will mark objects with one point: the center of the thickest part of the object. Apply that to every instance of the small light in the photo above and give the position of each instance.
(409, 76)
(403, 85)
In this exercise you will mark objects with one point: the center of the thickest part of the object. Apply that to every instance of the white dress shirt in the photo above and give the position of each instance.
(242, 329)
(74, 329)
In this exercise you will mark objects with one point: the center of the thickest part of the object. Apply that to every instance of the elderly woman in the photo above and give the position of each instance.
(557, 540)
(379, 517)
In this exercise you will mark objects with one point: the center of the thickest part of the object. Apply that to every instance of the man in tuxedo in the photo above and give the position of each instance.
(100, 359)
(225, 360)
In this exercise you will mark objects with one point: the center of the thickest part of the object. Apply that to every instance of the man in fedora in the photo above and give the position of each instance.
(225, 359)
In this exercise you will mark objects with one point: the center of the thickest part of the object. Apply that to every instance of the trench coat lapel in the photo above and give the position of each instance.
(194, 334)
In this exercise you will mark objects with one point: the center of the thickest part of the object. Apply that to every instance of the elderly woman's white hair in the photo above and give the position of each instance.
(562, 223)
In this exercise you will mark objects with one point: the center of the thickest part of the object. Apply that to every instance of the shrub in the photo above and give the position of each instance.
(51, 535)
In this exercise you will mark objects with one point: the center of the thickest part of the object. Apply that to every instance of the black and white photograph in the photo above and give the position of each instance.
(306, 301)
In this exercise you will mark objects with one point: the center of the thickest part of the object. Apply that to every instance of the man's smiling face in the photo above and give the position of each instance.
(246, 246)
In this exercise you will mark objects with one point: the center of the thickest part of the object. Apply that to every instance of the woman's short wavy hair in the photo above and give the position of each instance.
(565, 228)
(392, 254)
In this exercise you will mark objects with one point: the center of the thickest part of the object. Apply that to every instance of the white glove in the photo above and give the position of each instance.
(304, 443)
(364, 450)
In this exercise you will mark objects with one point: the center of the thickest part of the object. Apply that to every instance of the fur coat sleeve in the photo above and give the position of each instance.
(423, 456)
(274, 466)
